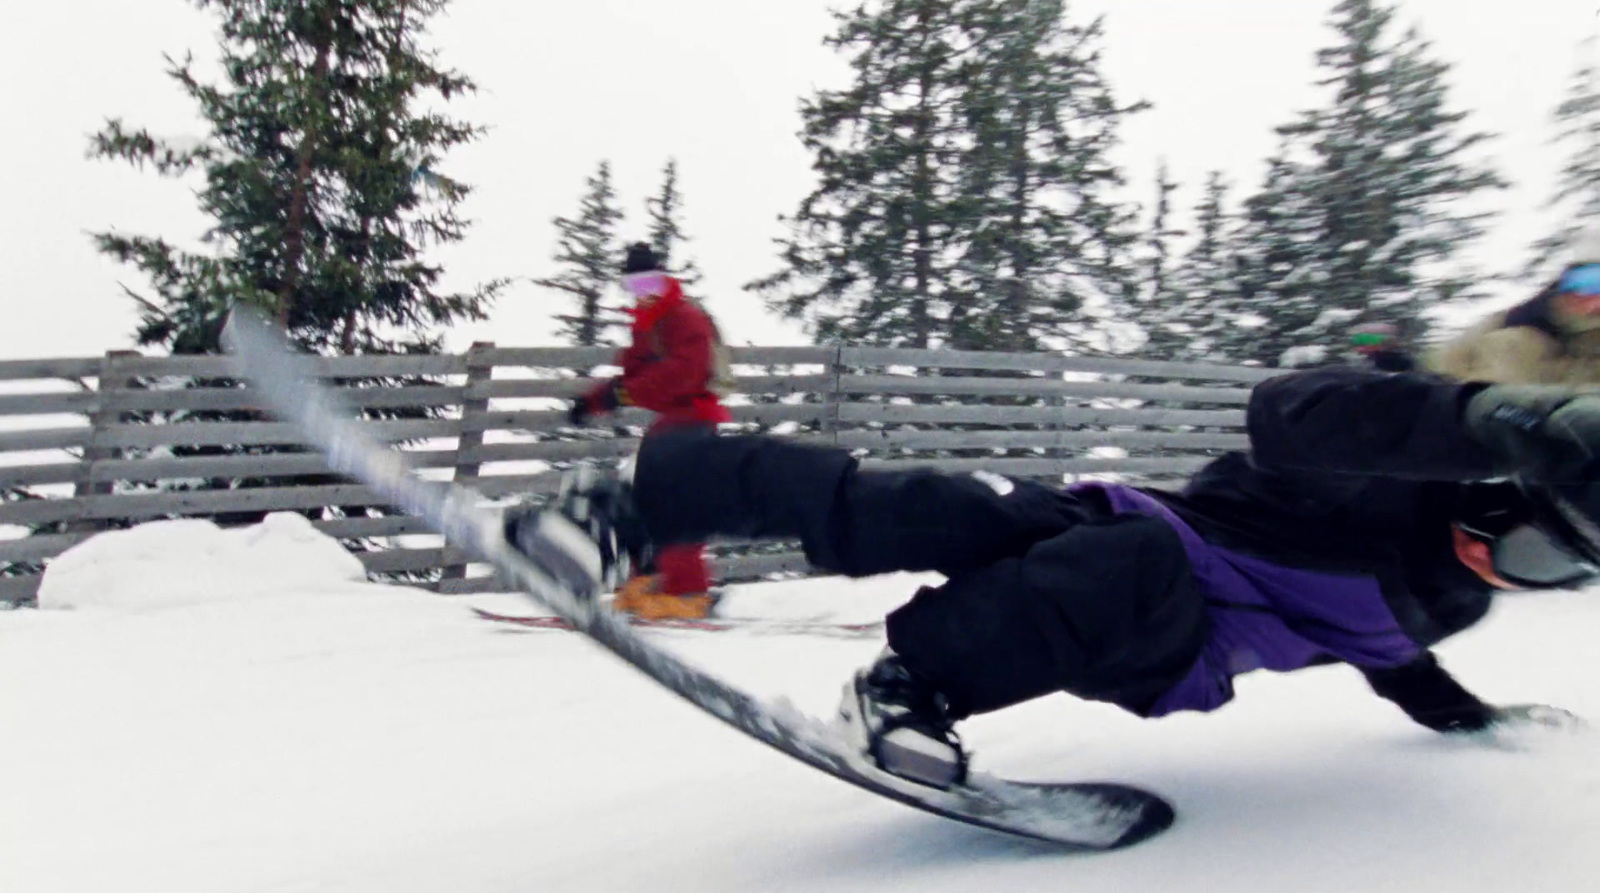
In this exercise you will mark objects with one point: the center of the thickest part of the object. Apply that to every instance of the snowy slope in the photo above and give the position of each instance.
(207, 710)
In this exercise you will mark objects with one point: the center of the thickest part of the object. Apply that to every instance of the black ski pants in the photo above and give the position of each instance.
(1045, 590)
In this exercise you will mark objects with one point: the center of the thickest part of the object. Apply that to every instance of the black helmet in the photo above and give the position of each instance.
(641, 259)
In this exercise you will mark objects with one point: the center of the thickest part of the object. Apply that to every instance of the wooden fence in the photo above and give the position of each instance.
(91, 444)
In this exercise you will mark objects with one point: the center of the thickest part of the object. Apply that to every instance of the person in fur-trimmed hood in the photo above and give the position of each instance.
(1552, 338)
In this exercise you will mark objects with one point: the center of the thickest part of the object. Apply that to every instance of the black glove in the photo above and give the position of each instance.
(1545, 433)
(578, 414)
(607, 400)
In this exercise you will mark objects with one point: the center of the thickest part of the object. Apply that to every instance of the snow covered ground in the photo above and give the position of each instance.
(205, 710)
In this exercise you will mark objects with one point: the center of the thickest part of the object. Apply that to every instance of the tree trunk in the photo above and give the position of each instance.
(294, 234)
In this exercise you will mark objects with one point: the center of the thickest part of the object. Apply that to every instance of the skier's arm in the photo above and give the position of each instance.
(1431, 696)
(1357, 421)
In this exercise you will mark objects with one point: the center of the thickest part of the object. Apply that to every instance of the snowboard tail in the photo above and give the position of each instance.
(1086, 816)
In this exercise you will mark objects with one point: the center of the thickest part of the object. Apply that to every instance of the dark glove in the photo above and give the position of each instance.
(578, 414)
(605, 400)
(1545, 433)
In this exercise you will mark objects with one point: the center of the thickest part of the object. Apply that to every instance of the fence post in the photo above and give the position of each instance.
(107, 413)
(474, 403)
(834, 369)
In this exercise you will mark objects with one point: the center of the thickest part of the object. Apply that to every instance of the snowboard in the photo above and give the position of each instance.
(1081, 816)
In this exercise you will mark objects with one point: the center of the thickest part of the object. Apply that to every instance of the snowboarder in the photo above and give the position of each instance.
(673, 367)
(1374, 515)
(1551, 338)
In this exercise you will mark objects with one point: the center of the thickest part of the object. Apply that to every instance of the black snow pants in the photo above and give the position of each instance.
(1045, 590)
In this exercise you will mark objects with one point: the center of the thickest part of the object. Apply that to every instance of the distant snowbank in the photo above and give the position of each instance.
(176, 563)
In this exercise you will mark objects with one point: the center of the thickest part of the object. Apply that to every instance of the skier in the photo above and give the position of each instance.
(673, 365)
(1378, 344)
(1551, 338)
(1371, 518)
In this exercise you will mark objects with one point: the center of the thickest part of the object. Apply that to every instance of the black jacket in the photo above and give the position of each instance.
(1352, 470)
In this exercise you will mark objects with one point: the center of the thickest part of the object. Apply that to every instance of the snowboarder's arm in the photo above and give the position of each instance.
(1357, 421)
(1431, 696)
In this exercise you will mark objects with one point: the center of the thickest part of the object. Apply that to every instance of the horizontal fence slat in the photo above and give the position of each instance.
(58, 403)
(747, 567)
(19, 589)
(549, 357)
(27, 440)
(966, 359)
(394, 561)
(135, 506)
(39, 546)
(263, 433)
(1036, 415)
(358, 366)
(1038, 387)
(882, 439)
(472, 585)
(33, 475)
(362, 528)
(551, 450)
(67, 368)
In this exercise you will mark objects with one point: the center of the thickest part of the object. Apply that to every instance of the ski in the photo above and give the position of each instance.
(708, 625)
(1082, 816)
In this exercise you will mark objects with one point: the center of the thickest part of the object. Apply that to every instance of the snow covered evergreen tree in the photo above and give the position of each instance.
(1364, 215)
(321, 174)
(1576, 199)
(1199, 318)
(1160, 297)
(1049, 244)
(589, 257)
(871, 251)
(665, 212)
(963, 181)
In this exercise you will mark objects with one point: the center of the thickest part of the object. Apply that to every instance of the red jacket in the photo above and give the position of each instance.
(669, 366)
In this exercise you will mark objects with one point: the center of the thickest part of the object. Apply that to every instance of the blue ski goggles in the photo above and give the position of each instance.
(1583, 279)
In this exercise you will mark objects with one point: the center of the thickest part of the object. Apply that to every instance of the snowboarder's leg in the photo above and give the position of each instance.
(1107, 611)
(690, 486)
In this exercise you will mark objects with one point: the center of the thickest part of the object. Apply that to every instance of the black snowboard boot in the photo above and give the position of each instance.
(901, 725)
(588, 535)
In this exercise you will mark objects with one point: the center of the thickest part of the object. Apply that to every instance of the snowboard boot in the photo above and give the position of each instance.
(901, 725)
(588, 536)
(642, 597)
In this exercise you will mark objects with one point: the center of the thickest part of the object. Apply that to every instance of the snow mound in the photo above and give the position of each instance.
(166, 564)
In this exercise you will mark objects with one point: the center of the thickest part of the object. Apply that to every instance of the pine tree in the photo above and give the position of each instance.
(1380, 180)
(666, 228)
(321, 176)
(588, 252)
(1161, 298)
(870, 252)
(1049, 240)
(962, 181)
(1577, 194)
(1198, 319)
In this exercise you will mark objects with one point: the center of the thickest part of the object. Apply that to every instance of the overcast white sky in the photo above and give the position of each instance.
(714, 83)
